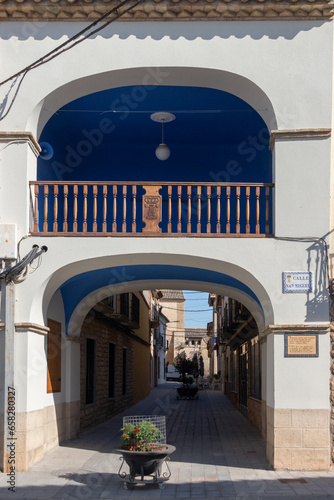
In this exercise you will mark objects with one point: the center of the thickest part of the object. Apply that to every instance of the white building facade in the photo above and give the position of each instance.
(241, 205)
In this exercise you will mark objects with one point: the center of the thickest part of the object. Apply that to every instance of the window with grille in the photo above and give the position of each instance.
(255, 367)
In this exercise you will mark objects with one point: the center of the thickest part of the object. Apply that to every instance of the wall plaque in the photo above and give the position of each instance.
(304, 345)
(297, 281)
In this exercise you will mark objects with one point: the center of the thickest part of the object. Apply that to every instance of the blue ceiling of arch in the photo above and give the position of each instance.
(77, 288)
(109, 135)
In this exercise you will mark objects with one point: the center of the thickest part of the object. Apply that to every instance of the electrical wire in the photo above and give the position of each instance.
(14, 96)
(10, 274)
(311, 239)
(187, 310)
(53, 54)
(67, 45)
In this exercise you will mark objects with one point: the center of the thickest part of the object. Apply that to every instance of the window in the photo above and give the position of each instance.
(255, 366)
(129, 306)
(124, 371)
(90, 370)
(54, 357)
(111, 384)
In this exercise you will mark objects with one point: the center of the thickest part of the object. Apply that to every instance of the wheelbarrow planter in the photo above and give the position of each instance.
(144, 451)
(146, 466)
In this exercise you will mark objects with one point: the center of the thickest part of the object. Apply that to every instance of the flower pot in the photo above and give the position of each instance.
(145, 463)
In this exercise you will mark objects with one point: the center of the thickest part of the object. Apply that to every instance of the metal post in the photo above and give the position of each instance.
(9, 394)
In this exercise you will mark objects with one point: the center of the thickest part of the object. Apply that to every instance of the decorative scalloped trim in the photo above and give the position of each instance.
(168, 10)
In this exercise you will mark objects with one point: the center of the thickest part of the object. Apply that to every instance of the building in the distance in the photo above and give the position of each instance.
(195, 343)
(172, 305)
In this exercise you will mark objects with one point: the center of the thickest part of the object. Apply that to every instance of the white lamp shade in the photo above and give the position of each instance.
(162, 152)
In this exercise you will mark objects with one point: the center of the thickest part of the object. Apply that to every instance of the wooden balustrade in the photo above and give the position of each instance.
(151, 209)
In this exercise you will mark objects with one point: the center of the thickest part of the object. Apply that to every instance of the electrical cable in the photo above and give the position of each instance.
(40, 61)
(311, 239)
(11, 273)
(187, 310)
(67, 46)
(14, 96)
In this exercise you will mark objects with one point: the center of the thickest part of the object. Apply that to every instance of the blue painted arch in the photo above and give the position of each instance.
(76, 289)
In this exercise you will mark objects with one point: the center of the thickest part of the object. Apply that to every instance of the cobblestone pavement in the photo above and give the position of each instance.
(219, 454)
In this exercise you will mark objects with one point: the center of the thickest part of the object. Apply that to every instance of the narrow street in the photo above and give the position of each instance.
(219, 454)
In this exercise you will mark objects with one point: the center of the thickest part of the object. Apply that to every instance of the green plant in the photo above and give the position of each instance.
(185, 365)
(143, 436)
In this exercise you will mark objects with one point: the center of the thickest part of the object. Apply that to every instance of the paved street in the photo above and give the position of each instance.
(218, 455)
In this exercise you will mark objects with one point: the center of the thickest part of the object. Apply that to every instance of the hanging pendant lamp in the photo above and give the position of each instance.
(162, 152)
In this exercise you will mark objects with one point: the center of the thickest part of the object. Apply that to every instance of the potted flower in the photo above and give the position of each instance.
(144, 449)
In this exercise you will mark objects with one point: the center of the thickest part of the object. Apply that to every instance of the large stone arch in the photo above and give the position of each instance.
(119, 274)
(84, 306)
(233, 83)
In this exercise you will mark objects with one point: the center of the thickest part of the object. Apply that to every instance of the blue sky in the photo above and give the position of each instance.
(197, 311)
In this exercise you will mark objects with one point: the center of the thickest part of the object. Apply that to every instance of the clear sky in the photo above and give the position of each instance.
(197, 312)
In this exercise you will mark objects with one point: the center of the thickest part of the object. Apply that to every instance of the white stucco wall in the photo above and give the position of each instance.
(265, 63)
(258, 263)
(302, 382)
(275, 56)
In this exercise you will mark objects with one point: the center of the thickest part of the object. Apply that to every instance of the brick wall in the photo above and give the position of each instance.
(103, 407)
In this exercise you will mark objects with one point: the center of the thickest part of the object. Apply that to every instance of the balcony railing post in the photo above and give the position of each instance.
(114, 223)
(208, 224)
(36, 193)
(179, 192)
(169, 225)
(218, 209)
(189, 209)
(46, 202)
(75, 208)
(134, 211)
(65, 224)
(267, 210)
(228, 209)
(85, 194)
(247, 210)
(237, 230)
(104, 222)
(199, 194)
(95, 209)
(55, 209)
(257, 227)
(124, 209)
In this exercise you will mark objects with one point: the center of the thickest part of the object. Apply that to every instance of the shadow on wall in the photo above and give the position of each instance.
(174, 30)
(317, 308)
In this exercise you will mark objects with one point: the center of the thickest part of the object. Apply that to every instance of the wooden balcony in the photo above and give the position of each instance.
(151, 209)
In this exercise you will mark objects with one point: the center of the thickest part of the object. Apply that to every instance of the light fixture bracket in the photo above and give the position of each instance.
(162, 117)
